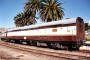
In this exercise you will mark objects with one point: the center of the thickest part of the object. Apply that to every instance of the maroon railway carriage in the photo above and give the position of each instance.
(67, 33)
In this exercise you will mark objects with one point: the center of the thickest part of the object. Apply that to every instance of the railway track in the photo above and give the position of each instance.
(49, 52)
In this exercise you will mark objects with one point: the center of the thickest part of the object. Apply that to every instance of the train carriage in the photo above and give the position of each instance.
(68, 33)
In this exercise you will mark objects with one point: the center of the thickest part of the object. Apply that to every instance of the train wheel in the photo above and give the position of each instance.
(49, 45)
(77, 47)
(24, 42)
(18, 41)
(28, 42)
(34, 43)
(4, 40)
(31, 43)
(54, 45)
(70, 47)
(63, 47)
(7, 40)
(12, 41)
(38, 44)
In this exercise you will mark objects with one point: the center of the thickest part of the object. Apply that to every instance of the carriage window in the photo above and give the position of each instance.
(54, 30)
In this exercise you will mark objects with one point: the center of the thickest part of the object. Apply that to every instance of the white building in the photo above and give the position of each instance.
(89, 23)
(3, 29)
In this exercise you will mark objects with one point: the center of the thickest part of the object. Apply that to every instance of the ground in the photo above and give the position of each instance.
(13, 54)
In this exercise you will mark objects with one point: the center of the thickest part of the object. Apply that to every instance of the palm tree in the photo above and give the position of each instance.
(18, 19)
(52, 10)
(22, 19)
(31, 6)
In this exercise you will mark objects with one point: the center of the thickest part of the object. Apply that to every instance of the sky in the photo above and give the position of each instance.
(72, 8)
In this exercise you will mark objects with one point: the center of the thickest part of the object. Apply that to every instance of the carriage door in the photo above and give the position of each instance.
(80, 31)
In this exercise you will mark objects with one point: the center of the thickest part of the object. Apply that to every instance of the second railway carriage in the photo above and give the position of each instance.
(68, 33)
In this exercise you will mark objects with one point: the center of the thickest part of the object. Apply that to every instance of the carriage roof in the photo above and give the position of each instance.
(65, 21)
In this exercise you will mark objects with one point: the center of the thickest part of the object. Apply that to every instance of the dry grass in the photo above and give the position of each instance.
(87, 37)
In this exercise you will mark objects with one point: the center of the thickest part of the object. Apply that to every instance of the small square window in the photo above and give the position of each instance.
(54, 30)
